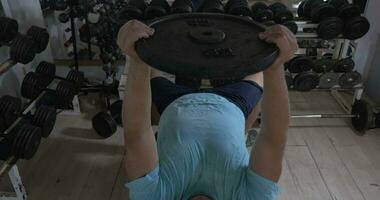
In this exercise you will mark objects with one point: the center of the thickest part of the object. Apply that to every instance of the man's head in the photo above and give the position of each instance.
(200, 197)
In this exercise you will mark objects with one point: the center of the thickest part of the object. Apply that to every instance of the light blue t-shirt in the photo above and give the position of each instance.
(202, 150)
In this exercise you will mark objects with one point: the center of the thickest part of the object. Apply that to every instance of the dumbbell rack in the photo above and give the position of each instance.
(341, 47)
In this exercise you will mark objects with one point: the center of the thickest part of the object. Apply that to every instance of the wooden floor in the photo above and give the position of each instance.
(325, 160)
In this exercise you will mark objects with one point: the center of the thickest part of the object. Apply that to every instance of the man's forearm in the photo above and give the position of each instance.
(275, 107)
(137, 101)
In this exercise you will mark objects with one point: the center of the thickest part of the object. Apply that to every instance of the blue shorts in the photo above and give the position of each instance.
(244, 94)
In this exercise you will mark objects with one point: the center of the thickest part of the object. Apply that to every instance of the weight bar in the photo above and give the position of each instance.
(156, 9)
(238, 7)
(106, 124)
(261, 12)
(23, 48)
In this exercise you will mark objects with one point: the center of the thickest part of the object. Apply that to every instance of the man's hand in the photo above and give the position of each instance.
(285, 41)
(130, 33)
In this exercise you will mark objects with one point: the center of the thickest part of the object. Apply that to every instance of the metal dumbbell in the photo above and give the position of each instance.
(106, 124)
(281, 13)
(157, 8)
(213, 6)
(23, 48)
(261, 12)
(182, 6)
(134, 10)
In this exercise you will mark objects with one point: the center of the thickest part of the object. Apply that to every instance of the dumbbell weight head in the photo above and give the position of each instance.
(330, 28)
(281, 13)
(213, 6)
(300, 64)
(40, 36)
(182, 6)
(309, 5)
(75, 76)
(8, 29)
(322, 11)
(261, 12)
(32, 85)
(344, 65)
(26, 141)
(306, 81)
(238, 7)
(23, 49)
(134, 10)
(348, 11)
(66, 91)
(45, 118)
(356, 27)
(337, 3)
(104, 124)
(157, 8)
(323, 65)
(48, 71)
(300, 11)
(10, 109)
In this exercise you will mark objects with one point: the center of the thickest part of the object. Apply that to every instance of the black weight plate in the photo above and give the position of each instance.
(12, 110)
(22, 49)
(277, 7)
(330, 28)
(32, 143)
(356, 27)
(31, 86)
(292, 26)
(306, 81)
(212, 6)
(8, 29)
(300, 64)
(350, 79)
(116, 110)
(328, 80)
(220, 45)
(344, 65)
(104, 124)
(182, 6)
(18, 134)
(288, 79)
(259, 6)
(300, 9)
(40, 37)
(322, 11)
(45, 118)
(309, 5)
(47, 70)
(364, 118)
(66, 91)
(323, 65)
(348, 10)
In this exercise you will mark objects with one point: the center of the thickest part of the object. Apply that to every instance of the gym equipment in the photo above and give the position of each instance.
(328, 80)
(221, 45)
(330, 28)
(292, 26)
(182, 6)
(364, 119)
(344, 65)
(157, 8)
(350, 79)
(193, 83)
(134, 10)
(23, 48)
(306, 81)
(10, 110)
(281, 13)
(225, 81)
(300, 64)
(261, 12)
(323, 65)
(212, 6)
(355, 25)
(105, 124)
(288, 79)
(33, 85)
(238, 7)
(48, 71)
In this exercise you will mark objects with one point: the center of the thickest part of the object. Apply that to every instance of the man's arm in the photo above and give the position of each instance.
(141, 151)
(268, 152)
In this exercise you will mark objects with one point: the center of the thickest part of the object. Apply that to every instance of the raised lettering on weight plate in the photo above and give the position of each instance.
(218, 53)
(199, 22)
